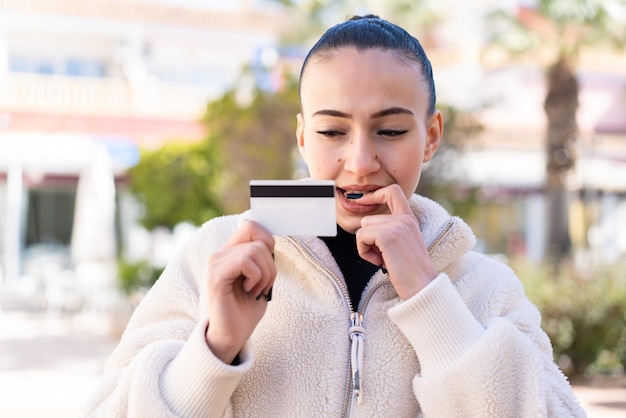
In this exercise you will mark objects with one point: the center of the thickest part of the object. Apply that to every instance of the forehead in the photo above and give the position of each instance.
(348, 54)
(348, 76)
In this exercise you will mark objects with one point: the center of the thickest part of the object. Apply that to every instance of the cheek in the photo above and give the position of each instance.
(322, 161)
(406, 169)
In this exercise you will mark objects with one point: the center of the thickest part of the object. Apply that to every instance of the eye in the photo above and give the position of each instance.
(392, 132)
(330, 133)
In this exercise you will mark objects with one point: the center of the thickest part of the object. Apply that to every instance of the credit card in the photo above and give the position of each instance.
(294, 207)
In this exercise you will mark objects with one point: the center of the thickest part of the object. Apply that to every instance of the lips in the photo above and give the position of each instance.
(350, 199)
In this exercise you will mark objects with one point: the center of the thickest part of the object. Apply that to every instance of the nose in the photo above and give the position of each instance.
(361, 158)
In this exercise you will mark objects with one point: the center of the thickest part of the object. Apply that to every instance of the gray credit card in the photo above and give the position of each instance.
(294, 207)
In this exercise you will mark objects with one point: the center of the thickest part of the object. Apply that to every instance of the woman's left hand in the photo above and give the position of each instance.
(395, 241)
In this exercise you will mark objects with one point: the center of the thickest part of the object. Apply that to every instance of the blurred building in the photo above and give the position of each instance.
(83, 85)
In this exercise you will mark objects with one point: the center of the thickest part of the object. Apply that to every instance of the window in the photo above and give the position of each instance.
(50, 216)
(29, 64)
(84, 67)
(77, 67)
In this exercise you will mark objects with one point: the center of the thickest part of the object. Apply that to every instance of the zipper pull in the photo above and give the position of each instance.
(357, 336)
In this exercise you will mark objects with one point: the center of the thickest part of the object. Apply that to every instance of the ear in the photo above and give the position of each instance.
(434, 135)
(300, 136)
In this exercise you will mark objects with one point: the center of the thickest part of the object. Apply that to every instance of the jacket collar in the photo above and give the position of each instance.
(447, 237)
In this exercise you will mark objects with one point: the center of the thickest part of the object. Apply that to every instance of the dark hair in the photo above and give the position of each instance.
(372, 32)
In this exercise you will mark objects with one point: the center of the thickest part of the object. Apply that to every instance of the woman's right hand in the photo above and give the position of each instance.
(239, 277)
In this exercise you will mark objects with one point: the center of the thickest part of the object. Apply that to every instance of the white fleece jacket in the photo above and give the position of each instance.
(468, 345)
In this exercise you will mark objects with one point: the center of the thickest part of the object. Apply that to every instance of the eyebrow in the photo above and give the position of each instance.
(379, 114)
(335, 113)
(392, 111)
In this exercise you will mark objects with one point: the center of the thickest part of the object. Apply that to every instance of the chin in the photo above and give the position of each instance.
(349, 225)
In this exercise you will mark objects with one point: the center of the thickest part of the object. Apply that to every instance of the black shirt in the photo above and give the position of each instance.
(356, 271)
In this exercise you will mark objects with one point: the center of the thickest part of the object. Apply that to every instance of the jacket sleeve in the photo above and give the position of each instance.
(481, 349)
(162, 366)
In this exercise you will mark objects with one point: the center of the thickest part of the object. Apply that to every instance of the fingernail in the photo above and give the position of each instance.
(268, 297)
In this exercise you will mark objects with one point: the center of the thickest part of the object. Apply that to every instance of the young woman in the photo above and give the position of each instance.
(394, 317)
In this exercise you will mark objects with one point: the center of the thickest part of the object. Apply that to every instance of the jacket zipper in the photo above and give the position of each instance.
(357, 336)
(353, 389)
(343, 290)
(444, 231)
(356, 332)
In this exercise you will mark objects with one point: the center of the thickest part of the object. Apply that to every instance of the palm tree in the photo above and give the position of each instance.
(555, 32)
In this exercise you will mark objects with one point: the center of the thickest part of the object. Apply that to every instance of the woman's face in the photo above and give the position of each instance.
(365, 124)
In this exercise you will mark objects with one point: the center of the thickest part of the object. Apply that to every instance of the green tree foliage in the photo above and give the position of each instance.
(175, 183)
(256, 140)
(584, 318)
(136, 276)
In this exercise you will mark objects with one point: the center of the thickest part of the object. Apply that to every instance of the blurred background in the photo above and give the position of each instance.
(126, 124)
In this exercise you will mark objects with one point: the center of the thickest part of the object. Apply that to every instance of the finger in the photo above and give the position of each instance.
(267, 273)
(392, 196)
(366, 246)
(252, 276)
(251, 231)
(249, 262)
